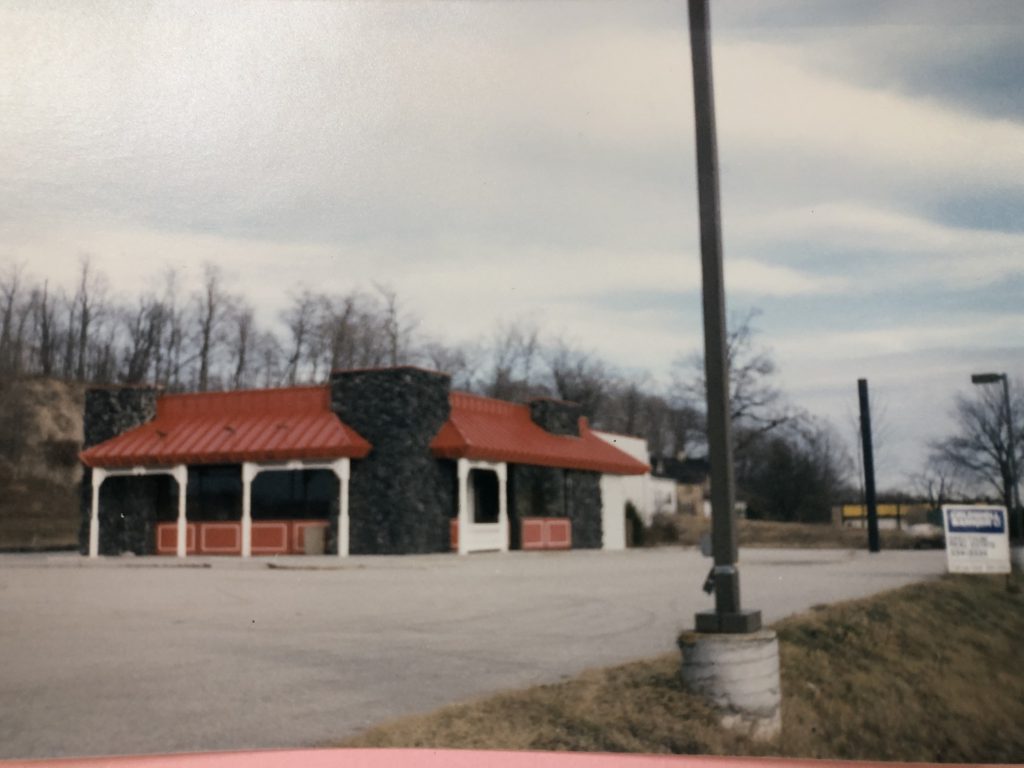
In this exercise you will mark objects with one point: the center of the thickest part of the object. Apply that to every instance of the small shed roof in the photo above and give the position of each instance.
(231, 427)
(496, 430)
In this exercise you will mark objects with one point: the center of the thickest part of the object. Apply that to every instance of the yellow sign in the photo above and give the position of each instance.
(859, 510)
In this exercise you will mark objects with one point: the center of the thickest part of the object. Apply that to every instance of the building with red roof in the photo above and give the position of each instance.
(376, 461)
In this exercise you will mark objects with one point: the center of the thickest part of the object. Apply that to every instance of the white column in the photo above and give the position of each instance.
(342, 469)
(502, 471)
(98, 476)
(249, 471)
(180, 473)
(464, 511)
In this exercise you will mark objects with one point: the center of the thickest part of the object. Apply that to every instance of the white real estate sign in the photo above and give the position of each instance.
(977, 540)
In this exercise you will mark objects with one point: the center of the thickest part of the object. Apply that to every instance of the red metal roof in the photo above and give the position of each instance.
(231, 427)
(496, 430)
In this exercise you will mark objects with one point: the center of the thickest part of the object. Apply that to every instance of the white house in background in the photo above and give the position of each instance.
(650, 495)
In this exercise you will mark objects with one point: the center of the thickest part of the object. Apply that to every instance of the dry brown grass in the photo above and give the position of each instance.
(637, 707)
(686, 529)
(931, 672)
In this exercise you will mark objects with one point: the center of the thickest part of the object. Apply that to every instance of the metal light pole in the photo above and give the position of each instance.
(870, 500)
(1014, 494)
(727, 616)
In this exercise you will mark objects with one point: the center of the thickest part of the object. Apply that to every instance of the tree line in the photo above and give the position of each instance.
(789, 464)
(210, 339)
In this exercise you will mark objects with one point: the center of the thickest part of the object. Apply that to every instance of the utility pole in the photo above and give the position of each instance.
(869, 466)
(727, 616)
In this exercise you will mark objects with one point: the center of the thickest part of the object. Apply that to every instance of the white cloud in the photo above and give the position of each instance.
(770, 98)
(918, 250)
(750, 278)
(964, 332)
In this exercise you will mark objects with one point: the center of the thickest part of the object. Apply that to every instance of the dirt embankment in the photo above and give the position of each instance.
(40, 436)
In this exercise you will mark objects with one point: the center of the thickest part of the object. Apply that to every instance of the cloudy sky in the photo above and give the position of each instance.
(495, 161)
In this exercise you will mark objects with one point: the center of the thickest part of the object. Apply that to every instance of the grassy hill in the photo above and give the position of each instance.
(927, 673)
(40, 435)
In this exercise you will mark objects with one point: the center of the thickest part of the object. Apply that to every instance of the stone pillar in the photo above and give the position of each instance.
(738, 674)
(397, 493)
(584, 506)
(108, 412)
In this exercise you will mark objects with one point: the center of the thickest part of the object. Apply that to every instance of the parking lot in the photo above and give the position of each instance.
(143, 655)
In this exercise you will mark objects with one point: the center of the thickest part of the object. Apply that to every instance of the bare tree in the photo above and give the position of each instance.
(67, 365)
(10, 294)
(938, 483)
(578, 377)
(268, 351)
(88, 300)
(211, 307)
(396, 325)
(514, 351)
(144, 325)
(757, 405)
(103, 349)
(45, 331)
(459, 362)
(672, 427)
(979, 451)
(796, 472)
(299, 318)
(337, 321)
(243, 339)
(169, 357)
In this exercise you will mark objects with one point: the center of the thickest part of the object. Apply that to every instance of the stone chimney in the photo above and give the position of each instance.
(556, 416)
(398, 495)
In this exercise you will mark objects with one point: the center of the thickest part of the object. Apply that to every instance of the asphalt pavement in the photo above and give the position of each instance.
(151, 655)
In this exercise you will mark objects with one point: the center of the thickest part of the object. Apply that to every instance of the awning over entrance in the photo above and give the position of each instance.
(233, 427)
(486, 429)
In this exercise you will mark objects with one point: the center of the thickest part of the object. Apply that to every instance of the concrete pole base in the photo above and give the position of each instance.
(738, 674)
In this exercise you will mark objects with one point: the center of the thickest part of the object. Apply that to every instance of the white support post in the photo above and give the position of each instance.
(249, 471)
(98, 476)
(342, 468)
(502, 472)
(464, 512)
(180, 473)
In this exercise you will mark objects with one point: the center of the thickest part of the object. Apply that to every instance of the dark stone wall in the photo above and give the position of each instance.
(109, 411)
(548, 492)
(448, 498)
(584, 503)
(536, 491)
(556, 416)
(399, 495)
(129, 513)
